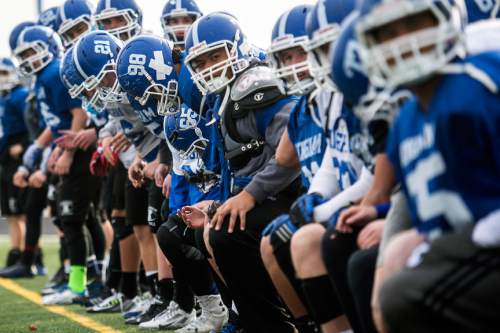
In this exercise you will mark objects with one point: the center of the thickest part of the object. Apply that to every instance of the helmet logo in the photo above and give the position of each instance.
(351, 61)
(158, 64)
(258, 97)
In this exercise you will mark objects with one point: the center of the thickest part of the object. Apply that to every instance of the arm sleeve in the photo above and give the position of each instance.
(273, 178)
(110, 129)
(352, 194)
(398, 219)
(165, 154)
(323, 181)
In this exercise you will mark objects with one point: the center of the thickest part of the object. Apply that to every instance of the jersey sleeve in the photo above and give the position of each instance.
(392, 148)
(60, 97)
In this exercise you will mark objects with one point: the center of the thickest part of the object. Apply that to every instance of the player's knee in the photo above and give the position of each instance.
(266, 251)
(306, 242)
(220, 240)
(121, 228)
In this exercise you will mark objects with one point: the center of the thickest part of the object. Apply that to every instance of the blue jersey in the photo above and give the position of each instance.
(308, 137)
(448, 157)
(53, 100)
(481, 10)
(343, 138)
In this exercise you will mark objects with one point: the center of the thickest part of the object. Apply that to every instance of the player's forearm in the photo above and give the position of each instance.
(45, 138)
(79, 120)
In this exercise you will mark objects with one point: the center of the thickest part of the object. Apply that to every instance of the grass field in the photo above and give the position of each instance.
(18, 313)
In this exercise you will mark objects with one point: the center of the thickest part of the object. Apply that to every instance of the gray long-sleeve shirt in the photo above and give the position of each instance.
(268, 178)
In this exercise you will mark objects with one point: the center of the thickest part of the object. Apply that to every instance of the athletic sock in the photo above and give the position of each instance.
(184, 296)
(114, 278)
(77, 278)
(322, 299)
(152, 278)
(166, 290)
(129, 284)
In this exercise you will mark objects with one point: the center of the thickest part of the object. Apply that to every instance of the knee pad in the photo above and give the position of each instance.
(175, 243)
(121, 229)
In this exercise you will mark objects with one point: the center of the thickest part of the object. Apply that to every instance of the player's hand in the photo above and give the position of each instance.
(165, 189)
(66, 140)
(194, 217)
(63, 164)
(20, 179)
(16, 150)
(108, 152)
(161, 173)
(37, 179)
(149, 170)
(119, 143)
(371, 234)
(302, 210)
(136, 174)
(85, 138)
(54, 156)
(235, 207)
(355, 216)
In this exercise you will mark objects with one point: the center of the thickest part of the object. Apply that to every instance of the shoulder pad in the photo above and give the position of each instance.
(253, 85)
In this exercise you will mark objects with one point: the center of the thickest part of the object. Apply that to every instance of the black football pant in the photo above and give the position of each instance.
(238, 257)
(454, 288)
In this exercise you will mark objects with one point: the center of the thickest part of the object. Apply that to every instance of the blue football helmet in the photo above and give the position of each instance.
(478, 10)
(348, 75)
(50, 18)
(210, 33)
(400, 61)
(289, 32)
(14, 34)
(36, 47)
(95, 56)
(185, 131)
(127, 10)
(69, 75)
(323, 27)
(146, 71)
(74, 13)
(175, 9)
(8, 76)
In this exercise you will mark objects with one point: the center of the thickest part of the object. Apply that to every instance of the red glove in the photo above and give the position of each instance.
(99, 165)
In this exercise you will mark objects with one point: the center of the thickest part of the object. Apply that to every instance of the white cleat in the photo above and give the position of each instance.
(63, 297)
(213, 316)
(171, 318)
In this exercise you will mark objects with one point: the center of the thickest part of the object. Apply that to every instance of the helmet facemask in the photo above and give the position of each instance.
(69, 25)
(166, 97)
(125, 32)
(177, 32)
(218, 76)
(319, 55)
(106, 90)
(8, 78)
(413, 57)
(39, 58)
(297, 76)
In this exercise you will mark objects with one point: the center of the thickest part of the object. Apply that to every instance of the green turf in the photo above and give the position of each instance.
(17, 313)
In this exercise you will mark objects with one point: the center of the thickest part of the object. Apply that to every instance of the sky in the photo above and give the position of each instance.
(256, 17)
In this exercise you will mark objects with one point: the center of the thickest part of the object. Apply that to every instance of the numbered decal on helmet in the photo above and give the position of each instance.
(102, 47)
(137, 62)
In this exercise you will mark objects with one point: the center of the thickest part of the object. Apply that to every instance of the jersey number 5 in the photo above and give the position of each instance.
(439, 203)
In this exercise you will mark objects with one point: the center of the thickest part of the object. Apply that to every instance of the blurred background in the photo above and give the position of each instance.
(257, 17)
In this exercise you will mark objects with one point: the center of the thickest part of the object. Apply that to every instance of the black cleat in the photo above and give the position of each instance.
(17, 271)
